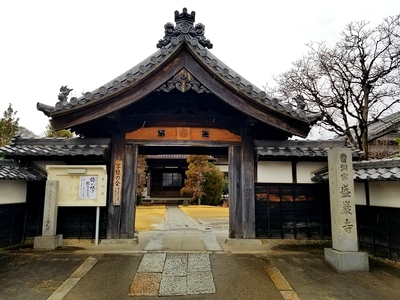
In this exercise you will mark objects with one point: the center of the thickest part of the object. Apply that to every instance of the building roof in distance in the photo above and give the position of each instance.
(374, 170)
(300, 148)
(56, 147)
(12, 170)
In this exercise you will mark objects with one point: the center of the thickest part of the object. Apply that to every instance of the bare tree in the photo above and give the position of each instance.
(352, 84)
(383, 148)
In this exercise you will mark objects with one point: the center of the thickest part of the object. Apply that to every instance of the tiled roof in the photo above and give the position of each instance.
(185, 32)
(12, 170)
(374, 170)
(385, 125)
(297, 148)
(56, 147)
(386, 169)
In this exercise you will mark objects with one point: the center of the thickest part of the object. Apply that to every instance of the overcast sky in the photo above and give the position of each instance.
(84, 44)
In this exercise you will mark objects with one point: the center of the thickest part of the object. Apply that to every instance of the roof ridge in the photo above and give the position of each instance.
(59, 141)
(184, 33)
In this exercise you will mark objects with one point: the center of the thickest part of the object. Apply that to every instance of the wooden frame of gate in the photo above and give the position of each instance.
(240, 152)
(180, 95)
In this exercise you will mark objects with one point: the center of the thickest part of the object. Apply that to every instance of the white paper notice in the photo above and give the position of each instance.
(88, 187)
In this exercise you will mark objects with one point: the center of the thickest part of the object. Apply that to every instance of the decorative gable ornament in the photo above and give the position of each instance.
(183, 81)
(184, 30)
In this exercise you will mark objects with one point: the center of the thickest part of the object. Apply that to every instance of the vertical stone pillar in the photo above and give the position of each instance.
(49, 239)
(343, 255)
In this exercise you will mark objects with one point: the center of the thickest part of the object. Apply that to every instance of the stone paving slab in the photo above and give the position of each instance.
(199, 262)
(173, 286)
(200, 283)
(145, 284)
(152, 263)
(175, 267)
(173, 274)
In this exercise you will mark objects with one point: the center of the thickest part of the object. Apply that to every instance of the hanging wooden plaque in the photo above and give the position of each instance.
(117, 183)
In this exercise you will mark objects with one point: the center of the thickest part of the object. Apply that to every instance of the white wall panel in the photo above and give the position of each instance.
(12, 191)
(274, 171)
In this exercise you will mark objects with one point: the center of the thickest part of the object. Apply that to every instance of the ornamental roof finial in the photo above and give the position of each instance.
(184, 30)
(185, 17)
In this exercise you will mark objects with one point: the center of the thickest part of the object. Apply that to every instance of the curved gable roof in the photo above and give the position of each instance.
(185, 35)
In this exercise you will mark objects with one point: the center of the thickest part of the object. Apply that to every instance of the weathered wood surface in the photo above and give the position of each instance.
(128, 205)
(235, 195)
(182, 133)
(114, 212)
(183, 59)
(247, 186)
(152, 149)
(238, 100)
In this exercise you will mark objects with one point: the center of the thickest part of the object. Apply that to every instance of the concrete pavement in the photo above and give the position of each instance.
(189, 261)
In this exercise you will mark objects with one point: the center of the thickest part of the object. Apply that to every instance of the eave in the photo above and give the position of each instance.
(141, 80)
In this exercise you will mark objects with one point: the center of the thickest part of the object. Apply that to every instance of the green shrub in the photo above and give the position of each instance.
(213, 186)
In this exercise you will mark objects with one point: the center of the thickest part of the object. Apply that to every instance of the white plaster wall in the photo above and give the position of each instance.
(223, 168)
(304, 169)
(359, 193)
(43, 164)
(274, 171)
(384, 193)
(12, 191)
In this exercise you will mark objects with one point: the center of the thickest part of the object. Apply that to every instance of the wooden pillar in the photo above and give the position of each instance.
(114, 208)
(247, 186)
(128, 205)
(235, 196)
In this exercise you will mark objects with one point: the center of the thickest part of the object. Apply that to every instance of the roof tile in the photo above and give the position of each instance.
(56, 147)
(12, 170)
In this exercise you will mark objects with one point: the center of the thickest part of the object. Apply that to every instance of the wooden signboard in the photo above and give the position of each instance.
(117, 183)
(79, 185)
(182, 133)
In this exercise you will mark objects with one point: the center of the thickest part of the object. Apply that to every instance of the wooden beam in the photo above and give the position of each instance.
(247, 186)
(198, 150)
(235, 196)
(182, 134)
(128, 205)
(114, 211)
(180, 120)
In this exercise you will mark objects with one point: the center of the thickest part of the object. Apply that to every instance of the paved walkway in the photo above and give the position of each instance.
(173, 274)
(182, 233)
(187, 261)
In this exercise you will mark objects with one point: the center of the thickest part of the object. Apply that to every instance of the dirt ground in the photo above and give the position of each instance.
(152, 217)
(205, 212)
(214, 217)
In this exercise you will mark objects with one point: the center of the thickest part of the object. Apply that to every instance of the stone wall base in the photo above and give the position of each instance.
(347, 261)
(47, 242)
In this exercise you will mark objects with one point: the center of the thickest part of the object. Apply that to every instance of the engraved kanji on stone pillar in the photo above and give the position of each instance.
(343, 212)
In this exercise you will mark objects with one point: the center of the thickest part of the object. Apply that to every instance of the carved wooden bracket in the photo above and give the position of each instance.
(183, 81)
